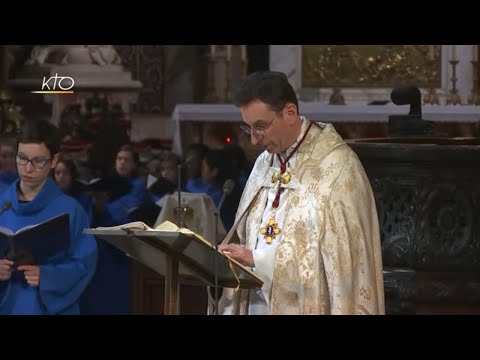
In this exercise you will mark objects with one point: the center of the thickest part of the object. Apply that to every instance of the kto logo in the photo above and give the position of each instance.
(56, 85)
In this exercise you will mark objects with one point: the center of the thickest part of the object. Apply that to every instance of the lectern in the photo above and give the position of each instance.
(181, 257)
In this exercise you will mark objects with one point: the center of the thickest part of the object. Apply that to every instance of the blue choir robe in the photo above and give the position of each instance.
(229, 208)
(64, 277)
(215, 191)
(6, 179)
(242, 181)
(196, 185)
(109, 291)
(84, 199)
(122, 210)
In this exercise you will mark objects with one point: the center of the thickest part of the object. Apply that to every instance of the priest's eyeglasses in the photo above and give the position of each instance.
(38, 162)
(257, 129)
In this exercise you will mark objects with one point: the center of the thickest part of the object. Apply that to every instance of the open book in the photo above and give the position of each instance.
(115, 186)
(159, 186)
(35, 244)
(140, 225)
(136, 225)
(88, 182)
(196, 254)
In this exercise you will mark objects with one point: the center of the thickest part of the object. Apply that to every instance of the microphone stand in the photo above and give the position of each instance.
(215, 264)
(215, 259)
(179, 191)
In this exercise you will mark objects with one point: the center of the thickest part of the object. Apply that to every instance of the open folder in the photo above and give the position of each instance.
(197, 257)
(36, 244)
(114, 185)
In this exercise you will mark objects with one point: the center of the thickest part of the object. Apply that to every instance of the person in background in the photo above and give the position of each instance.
(109, 291)
(8, 166)
(65, 175)
(154, 166)
(116, 209)
(168, 167)
(236, 154)
(194, 157)
(217, 167)
(307, 222)
(164, 169)
(162, 182)
(53, 287)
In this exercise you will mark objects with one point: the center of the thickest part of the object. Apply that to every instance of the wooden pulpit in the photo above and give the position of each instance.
(182, 257)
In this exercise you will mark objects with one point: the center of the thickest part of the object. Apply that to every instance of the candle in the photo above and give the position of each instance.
(244, 53)
(475, 52)
(454, 52)
(229, 52)
(212, 50)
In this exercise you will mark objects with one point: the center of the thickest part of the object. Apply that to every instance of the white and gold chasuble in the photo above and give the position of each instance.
(326, 258)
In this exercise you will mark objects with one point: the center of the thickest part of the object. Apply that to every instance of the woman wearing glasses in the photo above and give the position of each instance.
(307, 222)
(53, 286)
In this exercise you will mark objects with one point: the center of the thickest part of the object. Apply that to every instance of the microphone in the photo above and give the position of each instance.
(411, 124)
(408, 95)
(7, 205)
(227, 189)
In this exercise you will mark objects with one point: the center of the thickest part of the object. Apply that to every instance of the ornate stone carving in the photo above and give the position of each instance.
(446, 229)
(396, 206)
(428, 198)
(74, 54)
(11, 116)
(147, 64)
(360, 66)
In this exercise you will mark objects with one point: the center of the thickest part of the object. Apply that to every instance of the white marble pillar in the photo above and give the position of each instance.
(288, 59)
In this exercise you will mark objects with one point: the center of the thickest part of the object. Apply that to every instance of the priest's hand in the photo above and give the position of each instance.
(6, 269)
(239, 253)
(32, 274)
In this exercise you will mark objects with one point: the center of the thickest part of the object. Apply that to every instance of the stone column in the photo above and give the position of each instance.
(227, 69)
(288, 59)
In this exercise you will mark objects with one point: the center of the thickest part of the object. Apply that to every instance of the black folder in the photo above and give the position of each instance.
(36, 244)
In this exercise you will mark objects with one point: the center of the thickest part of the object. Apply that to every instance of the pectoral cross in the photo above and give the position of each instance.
(270, 231)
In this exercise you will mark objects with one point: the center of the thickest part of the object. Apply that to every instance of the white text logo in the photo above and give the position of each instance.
(56, 85)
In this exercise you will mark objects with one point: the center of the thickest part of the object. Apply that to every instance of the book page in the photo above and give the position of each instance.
(6, 231)
(197, 253)
(22, 229)
(170, 226)
(88, 182)
(151, 180)
(167, 226)
(135, 225)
